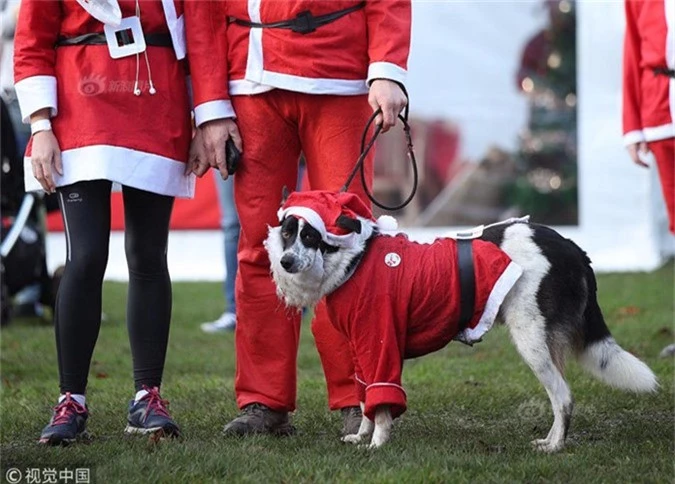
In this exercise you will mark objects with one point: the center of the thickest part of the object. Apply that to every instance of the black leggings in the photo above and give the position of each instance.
(85, 207)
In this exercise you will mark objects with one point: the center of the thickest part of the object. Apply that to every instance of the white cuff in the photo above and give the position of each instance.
(633, 137)
(386, 70)
(36, 93)
(211, 110)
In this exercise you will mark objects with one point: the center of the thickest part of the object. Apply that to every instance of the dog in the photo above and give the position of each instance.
(395, 299)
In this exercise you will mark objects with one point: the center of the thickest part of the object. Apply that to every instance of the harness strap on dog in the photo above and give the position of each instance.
(467, 282)
(664, 71)
(303, 23)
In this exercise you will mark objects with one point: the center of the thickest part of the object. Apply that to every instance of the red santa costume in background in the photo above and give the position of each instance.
(101, 126)
(403, 299)
(296, 92)
(649, 87)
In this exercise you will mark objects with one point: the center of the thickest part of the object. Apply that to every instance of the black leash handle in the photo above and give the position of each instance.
(365, 149)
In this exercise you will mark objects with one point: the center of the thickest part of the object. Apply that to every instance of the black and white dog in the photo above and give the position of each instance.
(381, 294)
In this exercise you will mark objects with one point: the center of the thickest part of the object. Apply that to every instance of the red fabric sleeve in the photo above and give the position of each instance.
(388, 38)
(378, 339)
(631, 75)
(37, 29)
(205, 31)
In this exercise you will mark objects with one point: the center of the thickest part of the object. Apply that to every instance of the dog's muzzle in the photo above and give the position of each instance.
(288, 263)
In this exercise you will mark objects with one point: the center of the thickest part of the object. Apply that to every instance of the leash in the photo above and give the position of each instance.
(365, 149)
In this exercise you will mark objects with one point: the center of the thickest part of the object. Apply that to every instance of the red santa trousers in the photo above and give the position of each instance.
(276, 126)
(664, 152)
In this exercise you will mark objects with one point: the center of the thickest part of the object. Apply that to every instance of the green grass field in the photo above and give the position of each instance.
(472, 411)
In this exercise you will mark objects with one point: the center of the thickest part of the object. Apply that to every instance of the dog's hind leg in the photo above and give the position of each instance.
(530, 340)
(364, 432)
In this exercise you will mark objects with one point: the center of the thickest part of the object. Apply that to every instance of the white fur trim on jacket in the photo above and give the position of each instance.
(211, 110)
(501, 288)
(35, 93)
(176, 28)
(132, 168)
(386, 70)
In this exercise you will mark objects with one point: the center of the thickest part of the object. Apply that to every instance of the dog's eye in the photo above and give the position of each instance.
(310, 237)
(285, 234)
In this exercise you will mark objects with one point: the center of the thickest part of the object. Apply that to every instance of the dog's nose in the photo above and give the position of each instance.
(287, 262)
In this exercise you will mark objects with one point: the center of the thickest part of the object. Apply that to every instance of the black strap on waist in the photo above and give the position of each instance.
(153, 40)
(467, 282)
(664, 71)
(303, 23)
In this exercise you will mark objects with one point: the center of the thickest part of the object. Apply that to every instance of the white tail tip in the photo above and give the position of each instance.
(610, 363)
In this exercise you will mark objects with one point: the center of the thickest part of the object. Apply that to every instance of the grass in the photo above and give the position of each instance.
(472, 411)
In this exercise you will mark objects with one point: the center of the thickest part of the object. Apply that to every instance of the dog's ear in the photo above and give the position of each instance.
(348, 223)
(285, 192)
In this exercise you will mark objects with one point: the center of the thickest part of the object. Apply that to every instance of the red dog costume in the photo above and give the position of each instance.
(403, 299)
(294, 93)
(649, 87)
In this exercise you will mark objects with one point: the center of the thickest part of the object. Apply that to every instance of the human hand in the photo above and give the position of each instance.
(215, 134)
(634, 151)
(45, 154)
(390, 98)
(197, 161)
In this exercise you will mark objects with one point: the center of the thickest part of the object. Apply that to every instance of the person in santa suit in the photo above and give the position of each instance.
(98, 118)
(649, 89)
(303, 75)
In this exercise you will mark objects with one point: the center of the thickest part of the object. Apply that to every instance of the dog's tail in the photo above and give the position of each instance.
(603, 357)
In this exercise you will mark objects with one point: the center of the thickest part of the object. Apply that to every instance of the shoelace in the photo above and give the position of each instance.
(155, 403)
(65, 410)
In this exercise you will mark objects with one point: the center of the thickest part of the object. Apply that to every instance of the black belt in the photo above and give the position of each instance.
(467, 282)
(303, 23)
(153, 40)
(664, 71)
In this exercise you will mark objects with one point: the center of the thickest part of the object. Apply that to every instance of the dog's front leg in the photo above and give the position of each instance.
(383, 425)
(365, 429)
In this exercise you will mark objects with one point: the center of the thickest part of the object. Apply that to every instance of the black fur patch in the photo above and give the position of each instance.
(567, 293)
(289, 231)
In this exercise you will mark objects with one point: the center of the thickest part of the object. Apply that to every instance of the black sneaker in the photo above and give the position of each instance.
(150, 415)
(67, 424)
(257, 418)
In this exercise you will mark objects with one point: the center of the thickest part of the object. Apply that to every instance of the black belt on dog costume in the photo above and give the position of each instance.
(467, 282)
(664, 71)
(153, 40)
(303, 23)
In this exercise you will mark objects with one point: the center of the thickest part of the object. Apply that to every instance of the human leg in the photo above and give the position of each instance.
(85, 208)
(267, 333)
(146, 219)
(229, 223)
(331, 128)
(664, 152)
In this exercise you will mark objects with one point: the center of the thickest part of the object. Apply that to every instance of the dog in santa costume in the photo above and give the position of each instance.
(395, 299)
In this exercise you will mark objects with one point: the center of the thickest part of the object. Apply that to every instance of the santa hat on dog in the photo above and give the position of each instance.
(337, 216)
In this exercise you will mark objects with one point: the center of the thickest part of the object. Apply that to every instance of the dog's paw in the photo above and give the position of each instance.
(545, 445)
(374, 445)
(352, 438)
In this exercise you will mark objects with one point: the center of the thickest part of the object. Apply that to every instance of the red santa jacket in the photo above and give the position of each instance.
(103, 129)
(648, 98)
(337, 58)
(403, 301)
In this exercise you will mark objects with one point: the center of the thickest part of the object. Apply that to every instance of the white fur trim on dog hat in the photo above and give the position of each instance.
(322, 209)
